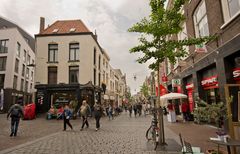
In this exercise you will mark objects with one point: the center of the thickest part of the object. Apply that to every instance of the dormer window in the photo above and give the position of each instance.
(72, 30)
(55, 31)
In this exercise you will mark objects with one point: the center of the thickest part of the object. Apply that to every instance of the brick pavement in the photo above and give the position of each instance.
(121, 135)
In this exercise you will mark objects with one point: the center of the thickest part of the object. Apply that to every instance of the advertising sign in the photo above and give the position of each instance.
(236, 73)
(210, 82)
(176, 82)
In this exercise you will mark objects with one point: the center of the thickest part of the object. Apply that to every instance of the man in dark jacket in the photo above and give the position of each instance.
(15, 112)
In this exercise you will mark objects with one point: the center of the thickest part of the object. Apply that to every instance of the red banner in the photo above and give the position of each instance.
(236, 73)
(210, 82)
(163, 90)
(189, 86)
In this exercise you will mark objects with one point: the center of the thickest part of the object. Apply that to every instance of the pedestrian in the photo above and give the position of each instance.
(15, 112)
(110, 112)
(66, 117)
(184, 110)
(84, 111)
(135, 109)
(130, 110)
(144, 107)
(98, 114)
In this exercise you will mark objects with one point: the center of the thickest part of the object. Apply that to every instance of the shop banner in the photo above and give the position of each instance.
(210, 82)
(163, 90)
(190, 100)
(189, 86)
(236, 73)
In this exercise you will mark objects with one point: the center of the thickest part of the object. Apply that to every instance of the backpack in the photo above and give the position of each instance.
(15, 112)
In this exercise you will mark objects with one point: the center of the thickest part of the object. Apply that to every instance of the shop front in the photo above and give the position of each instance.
(190, 90)
(210, 89)
(58, 95)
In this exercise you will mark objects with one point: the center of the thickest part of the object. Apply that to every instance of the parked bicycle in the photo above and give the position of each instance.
(154, 131)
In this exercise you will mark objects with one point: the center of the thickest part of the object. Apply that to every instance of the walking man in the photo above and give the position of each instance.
(15, 112)
(66, 117)
(98, 114)
(84, 110)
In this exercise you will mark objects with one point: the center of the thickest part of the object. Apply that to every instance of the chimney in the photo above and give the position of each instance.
(95, 35)
(42, 24)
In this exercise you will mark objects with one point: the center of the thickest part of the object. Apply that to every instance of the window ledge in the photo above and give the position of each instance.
(230, 20)
(55, 62)
(70, 61)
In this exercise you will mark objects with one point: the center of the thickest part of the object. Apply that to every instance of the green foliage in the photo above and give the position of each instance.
(154, 42)
(209, 113)
(144, 90)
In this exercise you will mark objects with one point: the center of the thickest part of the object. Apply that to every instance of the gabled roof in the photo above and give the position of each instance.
(64, 26)
(5, 23)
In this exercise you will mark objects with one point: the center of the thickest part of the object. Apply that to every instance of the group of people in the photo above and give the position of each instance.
(84, 112)
(137, 108)
(16, 112)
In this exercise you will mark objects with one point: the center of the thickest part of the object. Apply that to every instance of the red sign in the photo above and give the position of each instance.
(210, 82)
(164, 78)
(163, 90)
(190, 99)
(236, 73)
(189, 86)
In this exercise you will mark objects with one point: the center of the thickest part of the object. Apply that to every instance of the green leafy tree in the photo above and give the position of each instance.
(154, 42)
(144, 90)
(155, 31)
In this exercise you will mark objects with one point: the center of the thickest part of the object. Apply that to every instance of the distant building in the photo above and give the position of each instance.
(16, 58)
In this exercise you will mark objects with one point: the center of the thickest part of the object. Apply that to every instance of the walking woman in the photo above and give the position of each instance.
(98, 114)
(84, 110)
(66, 117)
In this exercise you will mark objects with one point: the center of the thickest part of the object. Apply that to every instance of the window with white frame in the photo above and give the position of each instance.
(183, 36)
(18, 49)
(52, 52)
(200, 20)
(230, 9)
(74, 51)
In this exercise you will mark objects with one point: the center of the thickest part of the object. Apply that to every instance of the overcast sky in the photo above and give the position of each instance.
(110, 18)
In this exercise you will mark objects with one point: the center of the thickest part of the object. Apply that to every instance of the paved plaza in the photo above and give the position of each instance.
(121, 135)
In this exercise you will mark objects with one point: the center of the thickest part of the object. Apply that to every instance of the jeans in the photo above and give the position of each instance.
(97, 118)
(85, 121)
(14, 125)
(65, 122)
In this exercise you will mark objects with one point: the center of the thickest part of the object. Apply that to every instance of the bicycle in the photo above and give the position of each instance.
(153, 131)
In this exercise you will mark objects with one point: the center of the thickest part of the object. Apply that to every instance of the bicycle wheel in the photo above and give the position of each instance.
(156, 139)
(148, 134)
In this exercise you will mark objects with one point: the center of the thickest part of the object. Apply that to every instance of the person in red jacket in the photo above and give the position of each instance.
(184, 110)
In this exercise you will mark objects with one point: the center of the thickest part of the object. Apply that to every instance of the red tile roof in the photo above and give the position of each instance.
(64, 27)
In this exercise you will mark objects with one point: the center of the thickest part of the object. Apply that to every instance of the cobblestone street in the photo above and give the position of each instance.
(121, 135)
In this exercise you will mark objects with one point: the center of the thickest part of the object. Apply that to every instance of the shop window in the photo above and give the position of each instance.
(200, 20)
(52, 75)
(73, 74)
(212, 96)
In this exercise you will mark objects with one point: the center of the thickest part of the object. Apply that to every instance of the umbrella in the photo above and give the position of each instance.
(171, 96)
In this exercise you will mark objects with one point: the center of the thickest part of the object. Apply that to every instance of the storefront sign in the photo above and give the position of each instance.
(176, 82)
(210, 81)
(236, 73)
(189, 86)
(200, 48)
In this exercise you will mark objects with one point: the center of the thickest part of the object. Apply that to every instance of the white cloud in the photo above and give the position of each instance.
(110, 19)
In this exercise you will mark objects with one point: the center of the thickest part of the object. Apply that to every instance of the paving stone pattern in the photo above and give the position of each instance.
(121, 135)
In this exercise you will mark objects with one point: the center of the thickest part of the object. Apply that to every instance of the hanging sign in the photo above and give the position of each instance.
(176, 82)
(236, 73)
(200, 48)
(210, 82)
(189, 86)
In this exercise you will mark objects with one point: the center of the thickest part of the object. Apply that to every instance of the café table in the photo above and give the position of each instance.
(229, 143)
